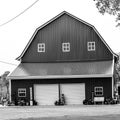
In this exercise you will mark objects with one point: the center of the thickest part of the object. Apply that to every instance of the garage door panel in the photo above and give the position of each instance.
(46, 94)
(74, 93)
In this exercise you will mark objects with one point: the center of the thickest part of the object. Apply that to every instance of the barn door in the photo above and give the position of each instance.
(74, 93)
(46, 94)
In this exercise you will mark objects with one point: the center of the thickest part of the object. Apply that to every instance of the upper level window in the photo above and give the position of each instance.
(22, 92)
(66, 47)
(91, 46)
(41, 47)
(98, 91)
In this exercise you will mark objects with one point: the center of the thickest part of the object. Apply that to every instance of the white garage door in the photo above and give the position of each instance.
(74, 93)
(46, 94)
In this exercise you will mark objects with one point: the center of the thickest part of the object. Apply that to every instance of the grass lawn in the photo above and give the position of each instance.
(107, 117)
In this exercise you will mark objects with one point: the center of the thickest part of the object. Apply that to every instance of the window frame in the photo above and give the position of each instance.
(66, 47)
(91, 46)
(96, 91)
(20, 91)
(40, 47)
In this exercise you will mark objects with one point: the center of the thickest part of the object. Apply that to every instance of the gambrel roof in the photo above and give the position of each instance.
(53, 19)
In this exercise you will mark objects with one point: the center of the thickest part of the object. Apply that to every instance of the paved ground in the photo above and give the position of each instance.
(7, 113)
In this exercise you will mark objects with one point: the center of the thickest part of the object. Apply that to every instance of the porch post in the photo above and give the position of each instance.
(31, 97)
(10, 90)
(59, 90)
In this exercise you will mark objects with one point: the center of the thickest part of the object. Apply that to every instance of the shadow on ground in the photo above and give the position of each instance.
(107, 117)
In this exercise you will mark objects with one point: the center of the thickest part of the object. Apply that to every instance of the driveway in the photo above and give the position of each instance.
(7, 113)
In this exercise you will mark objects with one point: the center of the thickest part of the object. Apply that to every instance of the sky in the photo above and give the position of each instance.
(15, 35)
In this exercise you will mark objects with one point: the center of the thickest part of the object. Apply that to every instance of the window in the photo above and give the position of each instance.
(41, 47)
(22, 92)
(91, 46)
(66, 47)
(98, 91)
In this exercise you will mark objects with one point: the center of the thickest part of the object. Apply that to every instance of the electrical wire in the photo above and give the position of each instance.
(12, 20)
(18, 14)
(7, 63)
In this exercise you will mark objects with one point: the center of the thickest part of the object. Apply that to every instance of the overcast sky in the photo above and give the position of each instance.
(15, 35)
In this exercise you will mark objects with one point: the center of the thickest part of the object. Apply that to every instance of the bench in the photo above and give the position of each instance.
(99, 100)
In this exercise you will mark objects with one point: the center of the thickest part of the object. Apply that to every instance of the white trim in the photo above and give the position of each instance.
(66, 47)
(113, 63)
(41, 47)
(113, 78)
(112, 88)
(104, 41)
(19, 91)
(31, 95)
(64, 12)
(60, 76)
(98, 91)
(91, 46)
(10, 90)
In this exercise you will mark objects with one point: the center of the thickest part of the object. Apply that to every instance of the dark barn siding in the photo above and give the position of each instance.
(66, 29)
(105, 82)
(90, 83)
(20, 84)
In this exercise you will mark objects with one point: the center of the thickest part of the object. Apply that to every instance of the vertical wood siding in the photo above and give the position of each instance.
(90, 83)
(66, 29)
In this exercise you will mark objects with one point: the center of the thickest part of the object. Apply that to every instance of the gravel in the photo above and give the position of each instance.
(24, 112)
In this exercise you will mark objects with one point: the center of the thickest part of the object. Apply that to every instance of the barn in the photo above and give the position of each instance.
(66, 55)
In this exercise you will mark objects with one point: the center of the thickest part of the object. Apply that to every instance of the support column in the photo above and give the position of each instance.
(113, 82)
(10, 90)
(59, 90)
(31, 97)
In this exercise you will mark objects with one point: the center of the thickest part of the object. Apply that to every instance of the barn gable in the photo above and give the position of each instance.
(66, 28)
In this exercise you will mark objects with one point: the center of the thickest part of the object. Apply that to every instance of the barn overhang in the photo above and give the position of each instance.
(63, 70)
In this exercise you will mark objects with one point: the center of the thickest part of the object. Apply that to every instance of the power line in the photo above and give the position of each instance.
(8, 63)
(19, 14)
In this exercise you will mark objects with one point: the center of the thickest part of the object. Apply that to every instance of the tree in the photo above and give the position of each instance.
(117, 77)
(111, 7)
(4, 85)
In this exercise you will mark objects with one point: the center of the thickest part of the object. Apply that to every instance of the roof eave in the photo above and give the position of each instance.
(61, 76)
